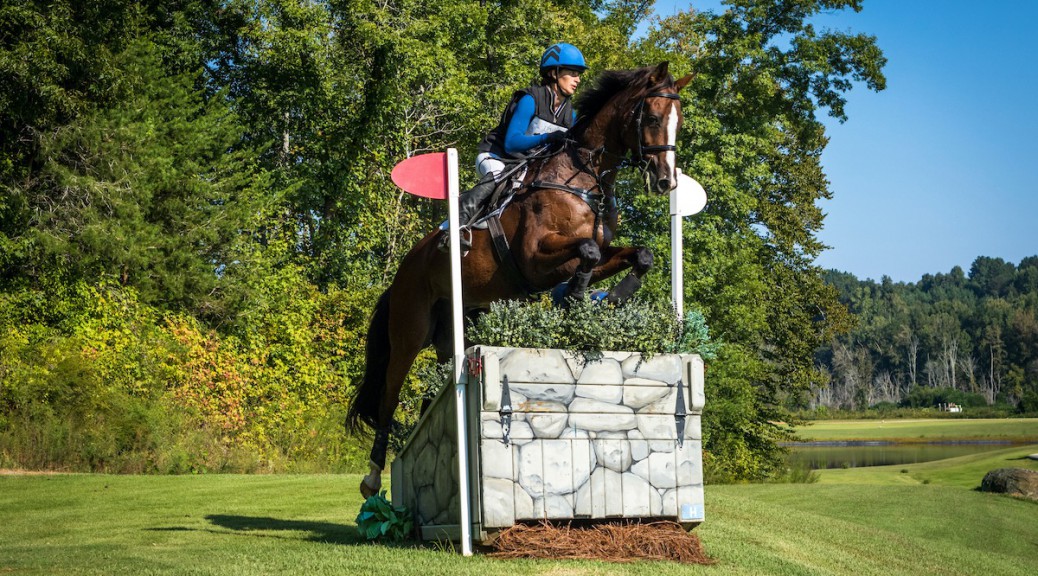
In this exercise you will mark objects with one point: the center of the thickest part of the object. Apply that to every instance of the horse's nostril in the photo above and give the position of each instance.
(663, 185)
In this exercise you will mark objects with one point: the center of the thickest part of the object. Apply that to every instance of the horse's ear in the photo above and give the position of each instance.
(682, 83)
(660, 73)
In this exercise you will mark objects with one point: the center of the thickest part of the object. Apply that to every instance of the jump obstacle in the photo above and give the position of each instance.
(545, 435)
(558, 438)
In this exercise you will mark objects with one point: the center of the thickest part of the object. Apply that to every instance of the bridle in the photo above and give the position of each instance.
(642, 150)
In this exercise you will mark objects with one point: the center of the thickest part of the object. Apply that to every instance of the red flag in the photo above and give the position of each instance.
(424, 175)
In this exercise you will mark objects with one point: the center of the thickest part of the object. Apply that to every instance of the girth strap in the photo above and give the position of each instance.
(593, 199)
(504, 255)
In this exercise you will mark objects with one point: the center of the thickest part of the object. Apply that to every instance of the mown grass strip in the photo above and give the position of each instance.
(1019, 430)
(961, 472)
(236, 525)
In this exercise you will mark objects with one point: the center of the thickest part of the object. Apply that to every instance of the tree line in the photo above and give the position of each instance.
(197, 214)
(961, 338)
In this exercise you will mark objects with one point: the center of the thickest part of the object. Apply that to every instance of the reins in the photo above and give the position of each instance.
(595, 200)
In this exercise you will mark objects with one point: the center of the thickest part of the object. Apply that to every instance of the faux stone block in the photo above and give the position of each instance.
(613, 450)
(536, 365)
(663, 367)
(498, 501)
(640, 392)
(497, 460)
(640, 499)
(548, 424)
(595, 416)
(658, 469)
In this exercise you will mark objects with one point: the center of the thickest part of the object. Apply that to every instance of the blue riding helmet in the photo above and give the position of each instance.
(563, 55)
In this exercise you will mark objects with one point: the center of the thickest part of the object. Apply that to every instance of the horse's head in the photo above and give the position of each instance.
(634, 112)
(651, 131)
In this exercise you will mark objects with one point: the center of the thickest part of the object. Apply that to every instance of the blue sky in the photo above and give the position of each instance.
(940, 167)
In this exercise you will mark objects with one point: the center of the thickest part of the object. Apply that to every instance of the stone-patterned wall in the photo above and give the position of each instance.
(595, 440)
(590, 441)
(425, 472)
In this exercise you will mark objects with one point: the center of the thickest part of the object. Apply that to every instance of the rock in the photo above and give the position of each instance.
(548, 424)
(536, 365)
(613, 450)
(663, 367)
(523, 504)
(601, 496)
(595, 416)
(427, 508)
(639, 447)
(1033, 456)
(496, 460)
(658, 470)
(659, 430)
(639, 498)
(554, 506)
(548, 467)
(498, 502)
(444, 479)
(1013, 481)
(584, 458)
(640, 392)
(602, 381)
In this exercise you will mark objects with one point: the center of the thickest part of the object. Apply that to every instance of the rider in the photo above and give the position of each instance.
(539, 114)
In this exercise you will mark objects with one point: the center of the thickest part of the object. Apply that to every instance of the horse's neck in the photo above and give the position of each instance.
(603, 136)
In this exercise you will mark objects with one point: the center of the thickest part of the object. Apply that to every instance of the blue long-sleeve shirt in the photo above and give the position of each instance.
(517, 141)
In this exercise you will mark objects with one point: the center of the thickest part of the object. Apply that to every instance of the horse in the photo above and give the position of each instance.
(559, 227)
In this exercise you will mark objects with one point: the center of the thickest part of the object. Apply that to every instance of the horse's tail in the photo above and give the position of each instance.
(367, 398)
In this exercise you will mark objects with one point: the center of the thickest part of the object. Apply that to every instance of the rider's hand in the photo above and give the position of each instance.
(557, 136)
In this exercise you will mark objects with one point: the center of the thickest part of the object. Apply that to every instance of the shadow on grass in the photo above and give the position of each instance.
(265, 527)
(325, 532)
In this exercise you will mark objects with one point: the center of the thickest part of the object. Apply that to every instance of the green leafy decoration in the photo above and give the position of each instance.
(380, 520)
(591, 327)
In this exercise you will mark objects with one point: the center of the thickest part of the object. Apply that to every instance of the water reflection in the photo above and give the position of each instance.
(822, 455)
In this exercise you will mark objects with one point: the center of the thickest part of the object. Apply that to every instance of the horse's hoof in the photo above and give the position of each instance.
(367, 490)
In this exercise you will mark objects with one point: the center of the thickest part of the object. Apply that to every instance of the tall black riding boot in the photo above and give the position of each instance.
(470, 201)
(469, 204)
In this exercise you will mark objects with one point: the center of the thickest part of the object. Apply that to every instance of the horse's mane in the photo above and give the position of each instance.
(608, 84)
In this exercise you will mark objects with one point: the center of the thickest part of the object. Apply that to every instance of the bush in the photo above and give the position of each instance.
(98, 381)
(1028, 403)
(592, 327)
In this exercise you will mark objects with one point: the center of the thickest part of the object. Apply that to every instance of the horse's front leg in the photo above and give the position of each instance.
(556, 250)
(616, 260)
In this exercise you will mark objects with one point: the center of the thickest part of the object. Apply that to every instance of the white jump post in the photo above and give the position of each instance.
(677, 257)
(457, 314)
(686, 199)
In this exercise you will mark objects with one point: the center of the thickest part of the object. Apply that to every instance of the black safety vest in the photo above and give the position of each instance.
(544, 120)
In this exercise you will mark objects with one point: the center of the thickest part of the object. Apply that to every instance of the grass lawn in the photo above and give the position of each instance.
(1018, 430)
(962, 472)
(285, 524)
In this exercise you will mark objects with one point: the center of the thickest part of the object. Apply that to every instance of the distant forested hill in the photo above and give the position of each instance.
(964, 338)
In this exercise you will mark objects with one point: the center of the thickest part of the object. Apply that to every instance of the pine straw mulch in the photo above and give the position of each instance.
(614, 542)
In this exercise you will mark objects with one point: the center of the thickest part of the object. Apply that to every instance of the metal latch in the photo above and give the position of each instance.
(680, 414)
(506, 410)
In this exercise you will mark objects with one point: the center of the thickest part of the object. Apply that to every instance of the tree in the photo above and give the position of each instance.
(992, 276)
(154, 190)
(762, 72)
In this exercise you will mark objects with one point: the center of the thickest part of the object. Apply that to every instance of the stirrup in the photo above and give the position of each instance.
(464, 235)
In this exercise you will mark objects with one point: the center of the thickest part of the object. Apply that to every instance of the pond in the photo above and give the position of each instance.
(822, 455)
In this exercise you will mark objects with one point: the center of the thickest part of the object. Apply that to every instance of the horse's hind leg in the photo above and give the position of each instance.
(409, 320)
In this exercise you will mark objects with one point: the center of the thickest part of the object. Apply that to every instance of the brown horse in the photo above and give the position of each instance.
(559, 228)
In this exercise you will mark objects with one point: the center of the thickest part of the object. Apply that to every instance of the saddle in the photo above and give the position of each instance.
(507, 183)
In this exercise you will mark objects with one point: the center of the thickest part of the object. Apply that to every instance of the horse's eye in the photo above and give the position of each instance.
(653, 121)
